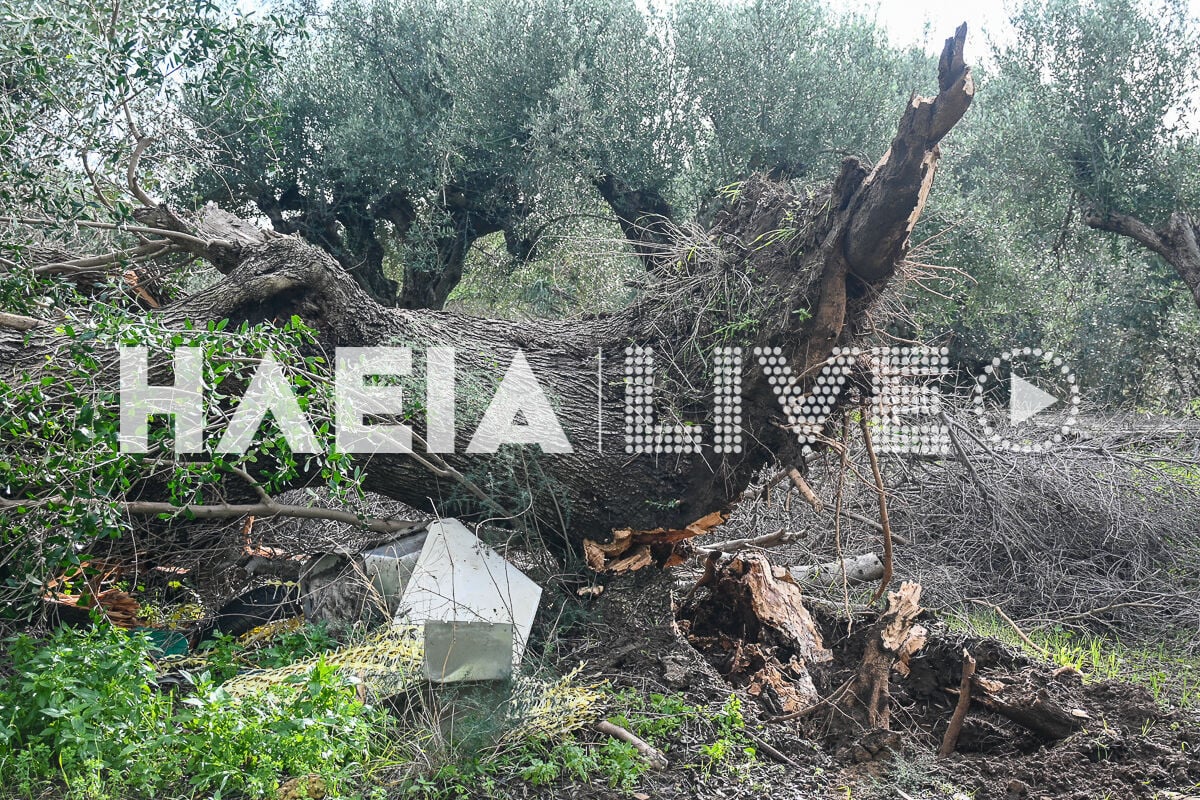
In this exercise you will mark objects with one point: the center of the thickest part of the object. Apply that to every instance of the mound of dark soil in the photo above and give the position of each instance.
(1032, 731)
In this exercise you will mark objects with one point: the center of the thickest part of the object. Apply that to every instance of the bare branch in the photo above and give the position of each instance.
(883, 512)
(146, 508)
(258, 487)
(1130, 226)
(92, 263)
(1020, 633)
(647, 751)
(781, 536)
(131, 172)
(166, 233)
(950, 740)
(91, 174)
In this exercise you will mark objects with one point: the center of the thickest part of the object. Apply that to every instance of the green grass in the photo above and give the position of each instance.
(659, 719)
(1172, 677)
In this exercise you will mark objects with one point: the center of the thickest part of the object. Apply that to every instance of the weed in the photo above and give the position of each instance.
(82, 711)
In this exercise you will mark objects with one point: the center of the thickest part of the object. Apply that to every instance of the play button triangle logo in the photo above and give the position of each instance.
(1025, 400)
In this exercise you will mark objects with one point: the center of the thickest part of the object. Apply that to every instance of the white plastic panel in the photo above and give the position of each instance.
(457, 578)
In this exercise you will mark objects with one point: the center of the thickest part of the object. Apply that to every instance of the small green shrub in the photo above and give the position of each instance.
(82, 709)
(226, 656)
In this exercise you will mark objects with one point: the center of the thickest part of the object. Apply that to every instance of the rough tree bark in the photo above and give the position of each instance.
(827, 259)
(1176, 241)
(349, 229)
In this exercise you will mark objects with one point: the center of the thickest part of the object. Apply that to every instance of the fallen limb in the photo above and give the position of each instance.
(653, 756)
(1030, 706)
(858, 569)
(144, 508)
(950, 740)
(860, 225)
(781, 536)
(18, 322)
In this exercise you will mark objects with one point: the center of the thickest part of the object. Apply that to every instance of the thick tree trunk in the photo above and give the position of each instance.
(795, 274)
(645, 217)
(430, 285)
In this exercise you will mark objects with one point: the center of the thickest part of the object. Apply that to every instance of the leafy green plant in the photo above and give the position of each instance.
(288, 646)
(61, 461)
(82, 710)
(731, 735)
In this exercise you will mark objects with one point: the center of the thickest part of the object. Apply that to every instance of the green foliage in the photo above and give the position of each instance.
(82, 710)
(225, 656)
(581, 267)
(1084, 108)
(787, 86)
(81, 82)
(82, 85)
(221, 657)
(659, 719)
(60, 464)
(654, 717)
(1112, 116)
(459, 121)
(288, 646)
(1009, 201)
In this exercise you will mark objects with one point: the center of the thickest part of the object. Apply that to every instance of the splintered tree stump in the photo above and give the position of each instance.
(752, 624)
(892, 640)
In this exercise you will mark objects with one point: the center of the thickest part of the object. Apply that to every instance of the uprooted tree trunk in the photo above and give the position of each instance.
(802, 270)
(1031, 704)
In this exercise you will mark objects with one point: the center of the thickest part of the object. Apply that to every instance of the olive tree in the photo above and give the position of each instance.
(405, 130)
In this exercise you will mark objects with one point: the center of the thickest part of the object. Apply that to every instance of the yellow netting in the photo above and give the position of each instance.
(551, 709)
(390, 662)
(270, 630)
(387, 662)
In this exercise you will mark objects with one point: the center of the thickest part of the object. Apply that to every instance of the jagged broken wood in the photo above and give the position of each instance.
(753, 621)
(891, 641)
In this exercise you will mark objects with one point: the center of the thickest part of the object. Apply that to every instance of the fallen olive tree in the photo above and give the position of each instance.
(795, 275)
